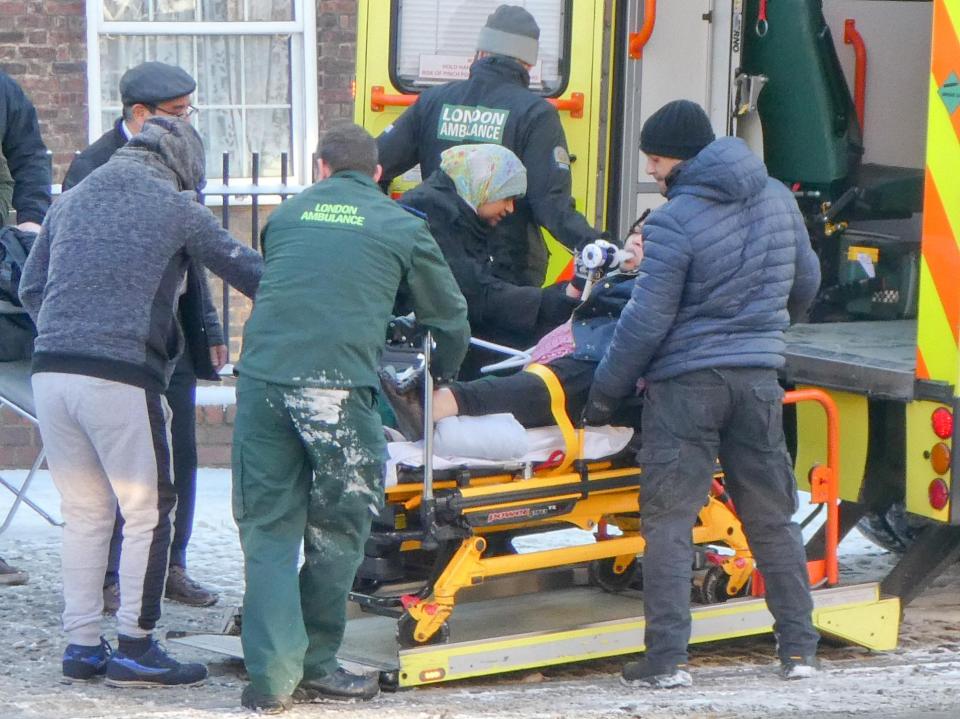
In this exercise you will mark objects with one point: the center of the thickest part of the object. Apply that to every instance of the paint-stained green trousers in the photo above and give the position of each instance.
(307, 468)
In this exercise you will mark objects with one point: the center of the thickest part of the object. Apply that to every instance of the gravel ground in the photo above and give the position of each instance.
(732, 679)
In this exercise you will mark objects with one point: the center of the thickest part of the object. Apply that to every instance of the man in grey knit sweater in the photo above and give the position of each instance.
(102, 284)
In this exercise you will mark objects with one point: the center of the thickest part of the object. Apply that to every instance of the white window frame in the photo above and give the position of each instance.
(303, 68)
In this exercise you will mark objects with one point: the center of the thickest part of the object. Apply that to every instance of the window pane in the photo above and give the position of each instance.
(173, 10)
(222, 132)
(436, 40)
(125, 10)
(197, 10)
(243, 91)
(268, 132)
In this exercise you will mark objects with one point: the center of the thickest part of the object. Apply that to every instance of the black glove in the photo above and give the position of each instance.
(555, 306)
(599, 408)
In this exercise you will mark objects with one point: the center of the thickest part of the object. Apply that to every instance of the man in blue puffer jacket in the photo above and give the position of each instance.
(727, 265)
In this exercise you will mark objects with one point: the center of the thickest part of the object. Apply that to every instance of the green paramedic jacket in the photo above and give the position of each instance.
(335, 257)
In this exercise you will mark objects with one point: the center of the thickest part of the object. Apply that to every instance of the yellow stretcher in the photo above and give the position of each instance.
(456, 530)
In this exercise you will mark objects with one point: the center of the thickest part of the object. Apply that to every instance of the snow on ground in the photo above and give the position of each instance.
(733, 679)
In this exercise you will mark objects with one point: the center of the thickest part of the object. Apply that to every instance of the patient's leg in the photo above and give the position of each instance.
(523, 394)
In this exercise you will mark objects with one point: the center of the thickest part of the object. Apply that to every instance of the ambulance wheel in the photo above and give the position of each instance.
(407, 625)
(713, 590)
(601, 574)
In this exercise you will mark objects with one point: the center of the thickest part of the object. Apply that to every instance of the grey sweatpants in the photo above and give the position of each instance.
(108, 442)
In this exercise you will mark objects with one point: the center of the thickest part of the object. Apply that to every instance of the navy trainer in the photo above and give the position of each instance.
(152, 668)
(82, 662)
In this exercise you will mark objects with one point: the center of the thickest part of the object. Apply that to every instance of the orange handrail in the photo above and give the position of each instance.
(852, 37)
(380, 99)
(638, 40)
(824, 483)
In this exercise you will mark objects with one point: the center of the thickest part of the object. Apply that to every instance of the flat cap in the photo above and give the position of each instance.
(150, 83)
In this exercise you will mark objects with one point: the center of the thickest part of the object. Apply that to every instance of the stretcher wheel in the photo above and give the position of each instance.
(602, 574)
(713, 589)
(406, 626)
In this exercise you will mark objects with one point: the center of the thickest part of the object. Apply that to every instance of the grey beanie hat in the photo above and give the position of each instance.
(511, 31)
(177, 145)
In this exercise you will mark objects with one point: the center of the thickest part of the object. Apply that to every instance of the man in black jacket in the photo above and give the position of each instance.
(24, 186)
(25, 154)
(148, 90)
(495, 105)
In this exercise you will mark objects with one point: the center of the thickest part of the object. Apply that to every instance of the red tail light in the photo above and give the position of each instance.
(939, 494)
(942, 421)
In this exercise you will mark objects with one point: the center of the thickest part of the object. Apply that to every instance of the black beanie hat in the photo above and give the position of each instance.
(679, 129)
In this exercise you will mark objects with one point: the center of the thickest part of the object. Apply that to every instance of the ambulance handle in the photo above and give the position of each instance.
(380, 100)
(638, 40)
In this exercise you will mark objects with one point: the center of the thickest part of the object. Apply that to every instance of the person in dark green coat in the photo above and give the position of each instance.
(308, 447)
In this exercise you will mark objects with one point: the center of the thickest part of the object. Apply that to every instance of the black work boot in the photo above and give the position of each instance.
(650, 676)
(182, 588)
(264, 703)
(406, 399)
(339, 686)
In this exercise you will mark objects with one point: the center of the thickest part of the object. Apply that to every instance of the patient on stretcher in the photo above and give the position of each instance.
(572, 352)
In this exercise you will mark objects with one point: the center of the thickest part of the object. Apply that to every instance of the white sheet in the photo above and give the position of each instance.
(542, 442)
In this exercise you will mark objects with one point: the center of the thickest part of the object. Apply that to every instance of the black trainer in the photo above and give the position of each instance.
(799, 667)
(649, 676)
(82, 662)
(151, 668)
(339, 686)
(406, 400)
(264, 703)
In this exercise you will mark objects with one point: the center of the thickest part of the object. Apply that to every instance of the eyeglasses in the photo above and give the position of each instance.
(185, 114)
(638, 223)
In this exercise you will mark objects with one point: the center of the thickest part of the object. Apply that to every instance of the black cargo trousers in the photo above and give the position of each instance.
(688, 421)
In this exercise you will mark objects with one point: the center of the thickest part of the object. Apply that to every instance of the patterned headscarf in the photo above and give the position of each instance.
(484, 173)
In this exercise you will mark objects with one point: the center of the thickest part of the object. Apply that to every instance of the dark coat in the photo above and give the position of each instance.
(198, 316)
(22, 146)
(723, 261)
(530, 128)
(498, 310)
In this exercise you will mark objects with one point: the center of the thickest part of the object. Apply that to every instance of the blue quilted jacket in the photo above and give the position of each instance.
(727, 262)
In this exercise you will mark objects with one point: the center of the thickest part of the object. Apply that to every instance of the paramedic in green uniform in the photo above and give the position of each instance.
(308, 445)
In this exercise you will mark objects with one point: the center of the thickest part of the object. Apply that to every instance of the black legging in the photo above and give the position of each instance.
(524, 395)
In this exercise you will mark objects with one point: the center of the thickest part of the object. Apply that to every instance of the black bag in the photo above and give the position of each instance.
(17, 330)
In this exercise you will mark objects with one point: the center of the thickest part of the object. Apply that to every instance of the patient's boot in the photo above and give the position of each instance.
(406, 399)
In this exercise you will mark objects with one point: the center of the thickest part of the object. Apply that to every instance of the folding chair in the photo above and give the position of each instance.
(16, 393)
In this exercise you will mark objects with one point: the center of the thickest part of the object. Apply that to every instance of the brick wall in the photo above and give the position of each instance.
(43, 47)
(336, 50)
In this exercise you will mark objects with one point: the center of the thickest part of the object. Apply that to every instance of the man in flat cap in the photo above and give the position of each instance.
(156, 89)
(495, 105)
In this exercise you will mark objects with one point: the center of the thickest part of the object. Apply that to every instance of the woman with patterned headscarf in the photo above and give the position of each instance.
(471, 192)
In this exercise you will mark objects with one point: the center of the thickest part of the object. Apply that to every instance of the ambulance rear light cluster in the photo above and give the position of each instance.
(942, 421)
(940, 455)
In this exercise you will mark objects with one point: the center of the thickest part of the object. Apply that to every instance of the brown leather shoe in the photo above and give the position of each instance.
(406, 399)
(182, 588)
